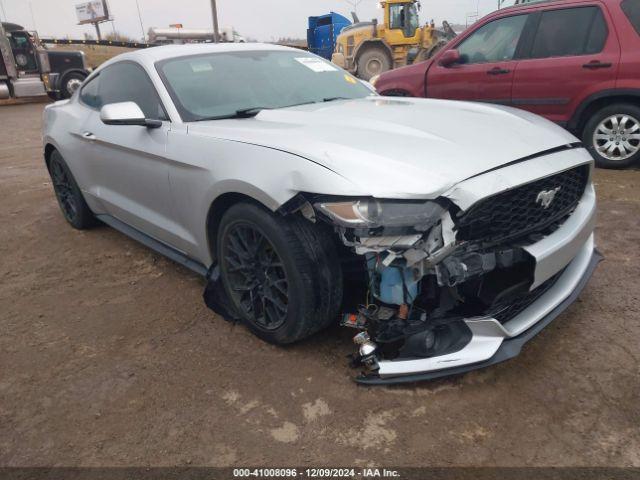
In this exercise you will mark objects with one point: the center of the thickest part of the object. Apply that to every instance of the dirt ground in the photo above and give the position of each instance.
(108, 356)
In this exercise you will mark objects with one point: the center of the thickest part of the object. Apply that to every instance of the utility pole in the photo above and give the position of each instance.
(214, 15)
(4, 14)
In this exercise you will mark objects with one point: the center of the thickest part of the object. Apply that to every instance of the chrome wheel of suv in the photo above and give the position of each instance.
(612, 135)
(617, 137)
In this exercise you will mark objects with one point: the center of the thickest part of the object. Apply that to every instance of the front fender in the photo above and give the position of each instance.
(205, 168)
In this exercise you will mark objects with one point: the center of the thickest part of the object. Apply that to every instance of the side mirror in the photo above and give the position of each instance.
(449, 58)
(126, 113)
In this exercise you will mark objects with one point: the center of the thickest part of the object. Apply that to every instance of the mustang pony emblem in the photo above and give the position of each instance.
(545, 197)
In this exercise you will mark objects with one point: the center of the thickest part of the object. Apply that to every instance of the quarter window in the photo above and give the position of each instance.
(494, 42)
(89, 93)
(128, 82)
(570, 32)
(631, 9)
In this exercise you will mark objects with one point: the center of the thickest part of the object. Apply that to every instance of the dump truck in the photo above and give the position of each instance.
(27, 69)
(367, 49)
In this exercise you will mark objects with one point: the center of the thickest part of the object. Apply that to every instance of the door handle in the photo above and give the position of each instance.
(88, 136)
(596, 64)
(498, 71)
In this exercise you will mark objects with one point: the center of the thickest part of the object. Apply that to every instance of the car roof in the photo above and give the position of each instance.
(156, 54)
(535, 3)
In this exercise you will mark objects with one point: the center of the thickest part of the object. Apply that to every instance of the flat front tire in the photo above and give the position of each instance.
(280, 273)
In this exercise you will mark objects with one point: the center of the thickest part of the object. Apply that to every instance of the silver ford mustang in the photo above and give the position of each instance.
(446, 234)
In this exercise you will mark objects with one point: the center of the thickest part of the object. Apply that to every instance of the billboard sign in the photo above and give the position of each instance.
(92, 12)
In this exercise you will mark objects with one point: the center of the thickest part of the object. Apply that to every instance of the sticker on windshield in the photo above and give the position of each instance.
(316, 64)
(350, 79)
(201, 66)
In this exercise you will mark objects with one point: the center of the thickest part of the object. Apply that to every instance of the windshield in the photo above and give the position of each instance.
(220, 85)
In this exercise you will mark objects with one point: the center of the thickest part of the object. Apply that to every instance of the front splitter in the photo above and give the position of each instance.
(509, 348)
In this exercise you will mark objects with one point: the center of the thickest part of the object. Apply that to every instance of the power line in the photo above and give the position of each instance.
(33, 17)
(140, 18)
(354, 4)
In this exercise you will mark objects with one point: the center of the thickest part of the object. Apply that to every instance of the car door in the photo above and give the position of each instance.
(573, 53)
(127, 163)
(488, 58)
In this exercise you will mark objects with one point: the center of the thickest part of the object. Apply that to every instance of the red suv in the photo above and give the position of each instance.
(575, 62)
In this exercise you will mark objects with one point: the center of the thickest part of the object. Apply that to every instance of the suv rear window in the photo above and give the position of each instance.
(631, 9)
(570, 32)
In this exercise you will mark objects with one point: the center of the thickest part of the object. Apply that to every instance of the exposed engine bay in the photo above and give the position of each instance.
(428, 266)
(421, 282)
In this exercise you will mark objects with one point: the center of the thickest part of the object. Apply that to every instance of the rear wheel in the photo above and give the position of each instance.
(280, 273)
(612, 136)
(70, 199)
(373, 61)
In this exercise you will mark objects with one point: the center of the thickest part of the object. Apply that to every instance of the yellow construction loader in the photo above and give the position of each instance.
(367, 49)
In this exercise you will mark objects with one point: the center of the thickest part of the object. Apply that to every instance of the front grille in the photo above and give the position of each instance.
(520, 211)
(505, 312)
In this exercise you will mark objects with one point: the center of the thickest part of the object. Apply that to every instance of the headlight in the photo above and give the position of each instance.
(373, 80)
(373, 213)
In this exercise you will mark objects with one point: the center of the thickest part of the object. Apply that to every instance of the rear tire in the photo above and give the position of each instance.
(74, 209)
(281, 274)
(612, 136)
(373, 61)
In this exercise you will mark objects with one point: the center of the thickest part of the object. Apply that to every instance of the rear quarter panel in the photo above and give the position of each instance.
(629, 70)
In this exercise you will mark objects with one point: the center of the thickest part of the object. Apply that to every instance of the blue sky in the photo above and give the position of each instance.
(260, 19)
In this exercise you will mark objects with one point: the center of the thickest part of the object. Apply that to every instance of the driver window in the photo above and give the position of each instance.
(494, 42)
(22, 50)
(397, 15)
(404, 17)
(128, 82)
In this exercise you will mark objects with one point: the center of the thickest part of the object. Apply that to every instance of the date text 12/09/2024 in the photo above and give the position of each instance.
(315, 473)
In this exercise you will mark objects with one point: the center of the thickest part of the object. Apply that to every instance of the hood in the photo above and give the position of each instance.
(397, 147)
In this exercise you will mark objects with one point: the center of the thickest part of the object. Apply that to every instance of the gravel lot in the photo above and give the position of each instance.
(109, 357)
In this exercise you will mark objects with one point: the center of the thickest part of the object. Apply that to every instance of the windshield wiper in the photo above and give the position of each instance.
(331, 99)
(242, 113)
(250, 112)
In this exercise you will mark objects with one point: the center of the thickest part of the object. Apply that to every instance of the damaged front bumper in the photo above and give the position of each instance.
(547, 270)
(492, 342)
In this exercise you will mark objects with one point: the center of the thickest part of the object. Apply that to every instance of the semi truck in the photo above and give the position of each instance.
(28, 69)
(323, 32)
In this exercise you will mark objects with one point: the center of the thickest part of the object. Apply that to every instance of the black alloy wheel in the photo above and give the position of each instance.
(256, 276)
(63, 187)
(68, 193)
